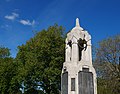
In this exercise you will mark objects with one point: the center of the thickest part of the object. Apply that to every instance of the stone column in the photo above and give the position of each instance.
(67, 52)
(90, 51)
(75, 51)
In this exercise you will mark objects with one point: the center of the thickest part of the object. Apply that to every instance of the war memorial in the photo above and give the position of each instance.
(78, 74)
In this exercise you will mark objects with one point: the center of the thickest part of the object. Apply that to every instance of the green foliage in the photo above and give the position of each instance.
(4, 52)
(103, 86)
(107, 63)
(8, 84)
(40, 60)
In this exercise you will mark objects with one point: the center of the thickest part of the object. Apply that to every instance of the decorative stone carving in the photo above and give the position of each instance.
(81, 75)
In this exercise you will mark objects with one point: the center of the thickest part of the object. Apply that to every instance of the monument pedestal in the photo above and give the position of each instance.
(78, 75)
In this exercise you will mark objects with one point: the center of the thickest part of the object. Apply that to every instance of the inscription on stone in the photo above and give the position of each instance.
(72, 84)
(65, 83)
(85, 82)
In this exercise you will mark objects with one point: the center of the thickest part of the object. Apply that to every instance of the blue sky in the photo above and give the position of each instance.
(19, 18)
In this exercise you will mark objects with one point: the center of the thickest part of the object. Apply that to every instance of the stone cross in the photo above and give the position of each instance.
(78, 75)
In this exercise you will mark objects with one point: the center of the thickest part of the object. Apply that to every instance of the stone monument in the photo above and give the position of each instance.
(78, 75)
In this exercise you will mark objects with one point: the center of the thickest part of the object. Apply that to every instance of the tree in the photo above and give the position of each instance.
(107, 63)
(4, 52)
(8, 69)
(40, 60)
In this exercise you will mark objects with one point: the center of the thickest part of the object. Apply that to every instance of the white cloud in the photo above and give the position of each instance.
(27, 22)
(13, 16)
